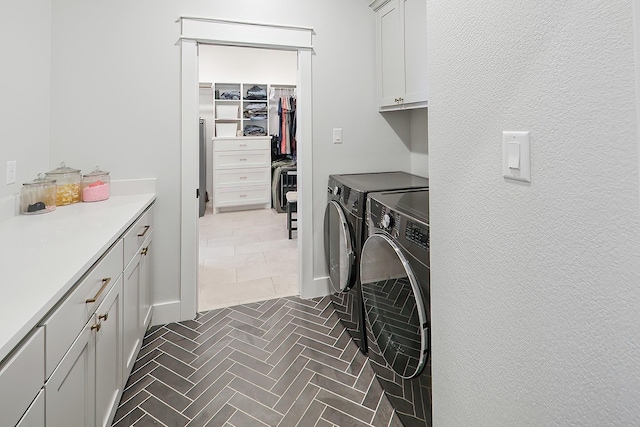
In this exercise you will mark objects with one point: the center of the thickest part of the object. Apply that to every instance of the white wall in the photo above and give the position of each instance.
(24, 90)
(116, 98)
(419, 142)
(535, 287)
(228, 64)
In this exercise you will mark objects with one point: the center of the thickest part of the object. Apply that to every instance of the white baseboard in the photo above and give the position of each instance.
(319, 287)
(167, 312)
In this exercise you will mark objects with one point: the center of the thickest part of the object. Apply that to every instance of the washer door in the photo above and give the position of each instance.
(338, 247)
(394, 306)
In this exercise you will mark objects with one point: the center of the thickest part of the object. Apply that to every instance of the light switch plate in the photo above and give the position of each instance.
(11, 172)
(337, 135)
(523, 172)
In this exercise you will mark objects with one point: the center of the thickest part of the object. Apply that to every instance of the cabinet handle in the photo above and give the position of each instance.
(144, 251)
(103, 317)
(243, 145)
(243, 195)
(97, 327)
(243, 160)
(146, 228)
(242, 177)
(105, 282)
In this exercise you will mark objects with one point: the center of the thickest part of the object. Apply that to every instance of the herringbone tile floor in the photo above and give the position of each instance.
(283, 362)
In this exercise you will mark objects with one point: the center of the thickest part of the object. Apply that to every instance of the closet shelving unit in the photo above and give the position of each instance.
(230, 113)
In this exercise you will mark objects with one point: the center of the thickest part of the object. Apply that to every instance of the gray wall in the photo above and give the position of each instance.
(535, 287)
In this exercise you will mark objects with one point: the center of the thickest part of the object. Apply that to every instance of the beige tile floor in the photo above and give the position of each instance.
(245, 256)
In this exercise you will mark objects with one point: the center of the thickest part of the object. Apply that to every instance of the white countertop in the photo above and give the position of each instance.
(43, 256)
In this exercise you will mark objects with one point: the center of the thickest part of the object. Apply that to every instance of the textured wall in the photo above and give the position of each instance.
(535, 287)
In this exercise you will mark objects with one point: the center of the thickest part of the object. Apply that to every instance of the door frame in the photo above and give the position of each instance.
(197, 30)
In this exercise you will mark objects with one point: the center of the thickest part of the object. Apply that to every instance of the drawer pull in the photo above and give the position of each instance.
(146, 228)
(242, 177)
(144, 251)
(104, 317)
(105, 282)
(243, 195)
(97, 327)
(243, 145)
(243, 160)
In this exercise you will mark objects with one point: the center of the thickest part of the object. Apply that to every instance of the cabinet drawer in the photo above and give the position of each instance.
(240, 144)
(21, 376)
(226, 178)
(64, 325)
(242, 196)
(240, 159)
(135, 236)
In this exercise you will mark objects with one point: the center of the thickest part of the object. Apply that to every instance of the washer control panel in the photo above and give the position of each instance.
(417, 234)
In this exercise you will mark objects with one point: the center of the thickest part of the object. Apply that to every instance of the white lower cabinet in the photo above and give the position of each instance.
(70, 391)
(70, 371)
(85, 388)
(138, 302)
(109, 380)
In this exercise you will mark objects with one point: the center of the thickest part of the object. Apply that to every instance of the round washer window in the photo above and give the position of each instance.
(394, 306)
(338, 247)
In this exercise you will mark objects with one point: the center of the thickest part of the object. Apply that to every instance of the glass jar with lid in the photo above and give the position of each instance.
(68, 184)
(95, 186)
(38, 196)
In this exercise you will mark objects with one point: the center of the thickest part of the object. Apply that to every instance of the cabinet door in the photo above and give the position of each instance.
(390, 49)
(146, 285)
(131, 312)
(70, 391)
(416, 87)
(109, 368)
(34, 417)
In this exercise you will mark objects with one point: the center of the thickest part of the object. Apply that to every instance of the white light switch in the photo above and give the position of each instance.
(337, 135)
(516, 156)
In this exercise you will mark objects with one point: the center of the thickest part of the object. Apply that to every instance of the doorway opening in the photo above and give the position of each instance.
(200, 31)
(245, 252)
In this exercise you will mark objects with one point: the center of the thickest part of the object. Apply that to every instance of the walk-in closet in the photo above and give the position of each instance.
(248, 248)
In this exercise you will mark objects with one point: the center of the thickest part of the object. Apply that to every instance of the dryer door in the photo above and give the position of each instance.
(338, 247)
(394, 306)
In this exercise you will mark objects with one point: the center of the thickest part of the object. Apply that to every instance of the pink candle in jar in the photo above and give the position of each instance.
(96, 192)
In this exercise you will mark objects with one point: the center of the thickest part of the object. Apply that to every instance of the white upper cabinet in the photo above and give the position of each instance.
(401, 54)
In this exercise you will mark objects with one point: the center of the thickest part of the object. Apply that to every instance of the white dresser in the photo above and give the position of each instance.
(241, 172)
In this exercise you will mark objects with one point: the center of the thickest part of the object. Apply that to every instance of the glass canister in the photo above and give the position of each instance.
(68, 184)
(38, 196)
(95, 186)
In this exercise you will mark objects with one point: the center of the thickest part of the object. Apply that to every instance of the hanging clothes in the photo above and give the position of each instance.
(287, 124)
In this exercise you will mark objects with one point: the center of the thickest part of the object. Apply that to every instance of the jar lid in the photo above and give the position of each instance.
(96, 172)
(63, 169)
(40, 180)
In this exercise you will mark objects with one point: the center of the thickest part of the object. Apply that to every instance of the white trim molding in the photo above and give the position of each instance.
(245, 34)
(218, 31)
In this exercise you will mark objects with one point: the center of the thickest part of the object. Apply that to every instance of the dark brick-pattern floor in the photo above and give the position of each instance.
(283, 362)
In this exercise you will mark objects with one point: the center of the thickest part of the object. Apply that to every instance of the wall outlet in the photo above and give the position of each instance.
(11, 172)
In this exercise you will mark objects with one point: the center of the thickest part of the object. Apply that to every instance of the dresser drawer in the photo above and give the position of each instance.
(240, 144)
(226, 178)
(66, 322)
(239, 159)
(135, 236)
(21, 377)
(242, 196)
